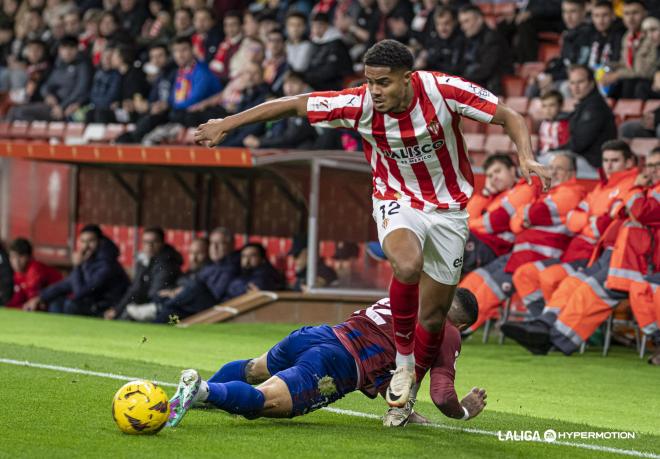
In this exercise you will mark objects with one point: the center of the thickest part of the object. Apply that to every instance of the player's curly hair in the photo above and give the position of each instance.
(389, 53)
(469, 305)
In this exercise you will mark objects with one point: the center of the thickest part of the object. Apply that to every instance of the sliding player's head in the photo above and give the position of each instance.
(464, 309)
(388, 67)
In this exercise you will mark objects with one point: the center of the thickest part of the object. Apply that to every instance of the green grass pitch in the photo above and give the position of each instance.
(52, 413)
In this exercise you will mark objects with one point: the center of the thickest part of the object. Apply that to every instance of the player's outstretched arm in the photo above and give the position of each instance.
(214, 131)
(516, 128)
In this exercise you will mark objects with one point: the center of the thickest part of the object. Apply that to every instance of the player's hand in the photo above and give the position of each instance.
(212, 132)
(475, 401)
(531, 166)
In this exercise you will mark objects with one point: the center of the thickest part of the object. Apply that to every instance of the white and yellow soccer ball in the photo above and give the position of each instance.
(140, 407)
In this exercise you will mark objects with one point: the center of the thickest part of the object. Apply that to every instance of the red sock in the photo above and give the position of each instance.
(426, 349)
(404, 301)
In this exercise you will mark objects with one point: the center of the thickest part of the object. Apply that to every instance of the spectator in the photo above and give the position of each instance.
(444, 45)
(491, 211)
(183, 22)
(252, 50)
(6, 277)
(298, 48)
(486, 55)
(158, 268)
(133, 15)
(275, 64)
(224, 62)
(256, 273)
(604, 43)
(90, 33)
(344, 260)
(32, 27)
(133, 83)
(28, 76)
(290, 132)
(325, 275)
(160, 73)
(108, 32)
(639, 56)
(30, 276)
(572, 39)
(267, 22)
(536, 282)
(330, 61)
(190, 295)
(649, 125)
(394, 18)
(250, 25)
(225, 263)
(554, 129)
(159, 27)
(106, 87)
(592, 122)
(96, 283)
(66, 89)
(72, 23)
(540, 233)
(207, 36)
(193, 83)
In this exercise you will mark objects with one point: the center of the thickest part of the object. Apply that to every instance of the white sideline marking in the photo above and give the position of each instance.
(357, 414)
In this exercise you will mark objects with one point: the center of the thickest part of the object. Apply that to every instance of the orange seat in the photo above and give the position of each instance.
(518, 103)
(494, 129)
(550, 37)
(513, 85)
(498, 143)
(628, 108)
(113, 131)
(643, 145)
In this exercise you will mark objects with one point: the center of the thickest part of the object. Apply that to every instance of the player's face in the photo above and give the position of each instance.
(602, 18)
(500, 176)
(652, 168)
(387, 87)
(18, 262)
(250, 258)
(197, 255)
(613, 161)
(579, 83)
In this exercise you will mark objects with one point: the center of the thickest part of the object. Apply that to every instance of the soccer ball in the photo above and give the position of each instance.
(140, 407)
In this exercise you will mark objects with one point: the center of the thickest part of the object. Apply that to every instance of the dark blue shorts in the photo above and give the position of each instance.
(316, 367)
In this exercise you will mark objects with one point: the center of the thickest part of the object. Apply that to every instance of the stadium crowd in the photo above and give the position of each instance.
(571, 256)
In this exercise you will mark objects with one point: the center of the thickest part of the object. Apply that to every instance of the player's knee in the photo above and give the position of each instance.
(408, 269)
(256, 370)
(433, 323)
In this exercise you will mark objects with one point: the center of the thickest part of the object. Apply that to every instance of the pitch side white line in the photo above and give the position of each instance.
(357, 414)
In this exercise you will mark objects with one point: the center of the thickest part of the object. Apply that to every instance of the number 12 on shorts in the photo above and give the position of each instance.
(391, 208)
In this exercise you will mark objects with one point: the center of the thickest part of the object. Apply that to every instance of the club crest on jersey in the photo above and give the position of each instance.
(385, 223)
(434, 127)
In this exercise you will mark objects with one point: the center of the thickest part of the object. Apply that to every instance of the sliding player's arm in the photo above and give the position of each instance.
(214, 131)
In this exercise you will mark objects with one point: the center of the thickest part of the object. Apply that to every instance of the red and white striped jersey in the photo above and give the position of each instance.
(419, 156)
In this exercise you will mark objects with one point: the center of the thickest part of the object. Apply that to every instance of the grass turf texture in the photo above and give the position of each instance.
(54, 414)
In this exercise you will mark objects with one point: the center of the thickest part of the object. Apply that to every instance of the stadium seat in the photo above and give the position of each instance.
(468, 125)
(38, 130)
(643, 145)
(113, 131)
(475, 142)
(19, 129)
(628, 108)
(513, 85)
(518, 103)
(548, 51)
(531, 69)
(56, 130)
(188, 136)
(651, 105)
(498, 143)
(550, 37)
(74, 130)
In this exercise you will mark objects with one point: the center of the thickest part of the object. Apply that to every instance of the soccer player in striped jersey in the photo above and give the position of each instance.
(410, 123)
(316, 366)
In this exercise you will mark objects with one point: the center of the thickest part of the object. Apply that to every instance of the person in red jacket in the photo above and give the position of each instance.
(491, 211)
(30, 275)
(625, 257)
(540, 232)
(535, 282)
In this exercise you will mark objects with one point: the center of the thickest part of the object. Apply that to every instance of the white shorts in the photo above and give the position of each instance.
(442, 233)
